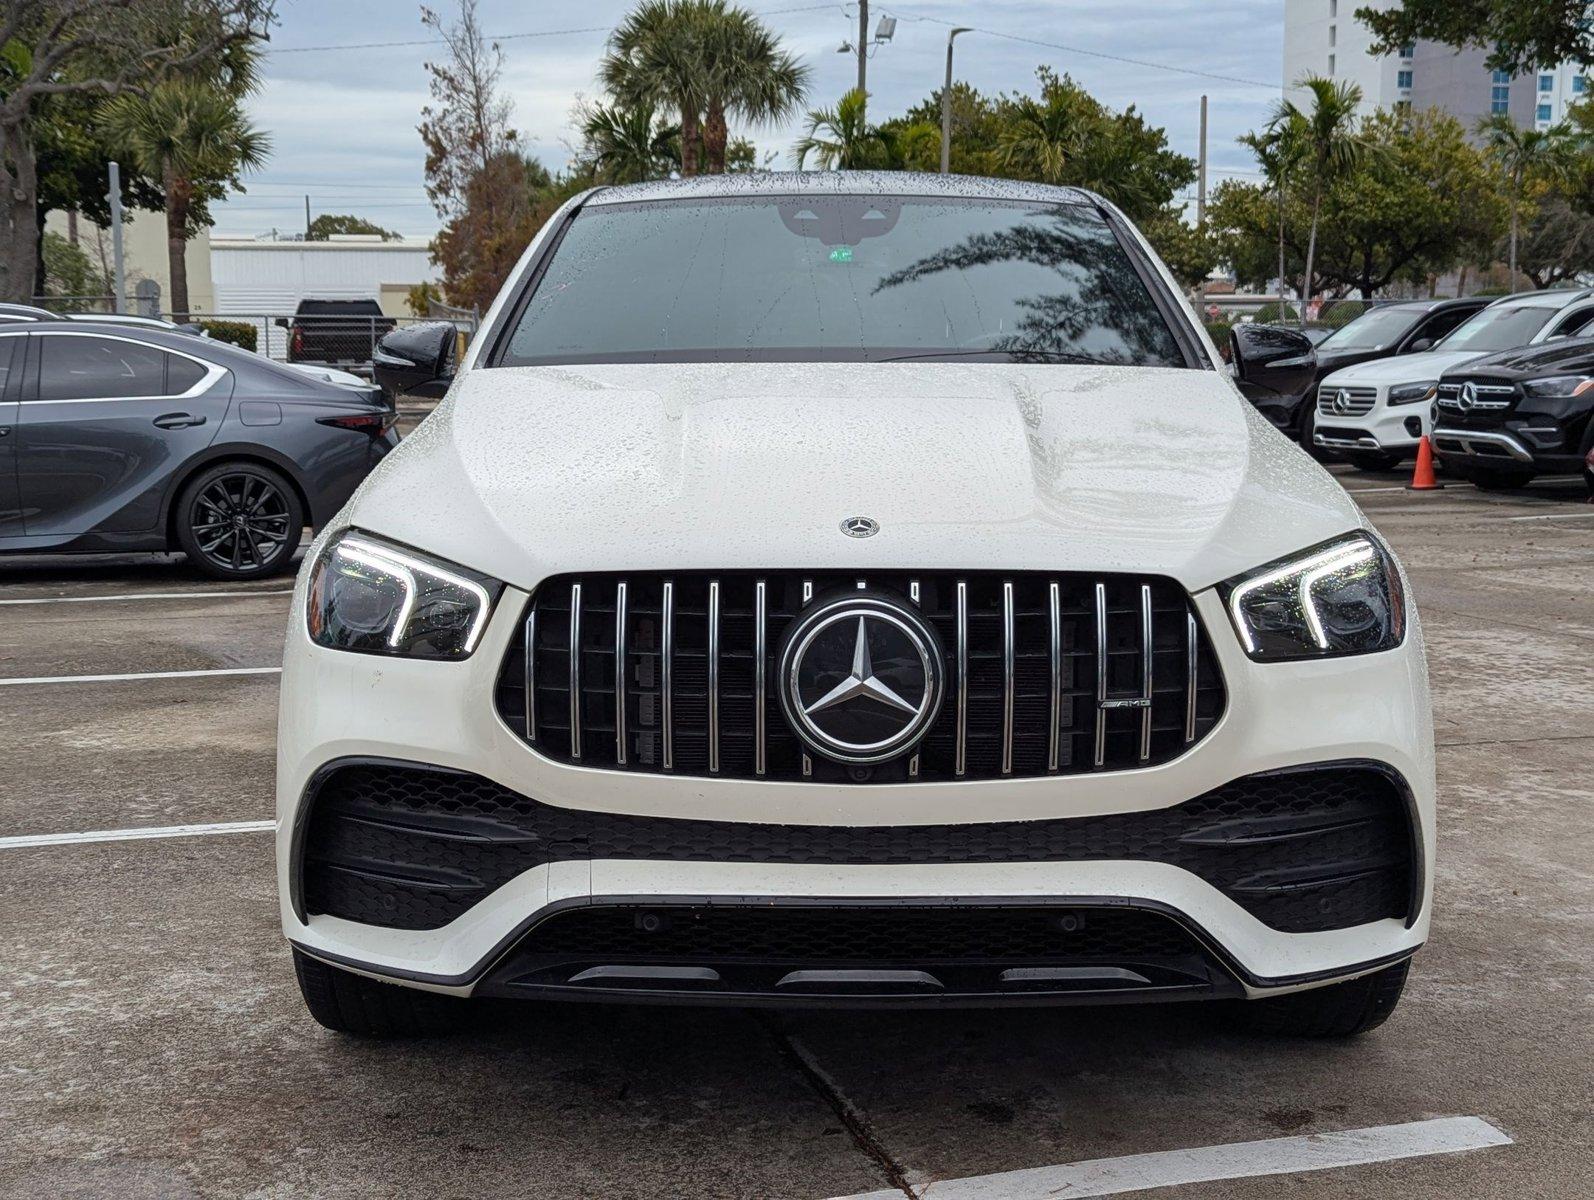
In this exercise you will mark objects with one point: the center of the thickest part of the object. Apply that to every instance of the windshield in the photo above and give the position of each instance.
(1499, 327)
(840, 278)
(1375, 329)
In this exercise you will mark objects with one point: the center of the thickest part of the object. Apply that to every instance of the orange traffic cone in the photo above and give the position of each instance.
(1422, 479)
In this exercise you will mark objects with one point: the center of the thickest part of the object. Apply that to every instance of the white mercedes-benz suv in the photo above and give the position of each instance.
(833, 589)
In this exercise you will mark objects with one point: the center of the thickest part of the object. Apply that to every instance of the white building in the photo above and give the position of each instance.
(1323, 37)
(263, 277)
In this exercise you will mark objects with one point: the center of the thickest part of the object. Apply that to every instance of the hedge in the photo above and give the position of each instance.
(238, 333)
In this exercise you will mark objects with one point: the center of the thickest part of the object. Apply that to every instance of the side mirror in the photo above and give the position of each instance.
(1270, 361)
(416, 360)
(1420, 345)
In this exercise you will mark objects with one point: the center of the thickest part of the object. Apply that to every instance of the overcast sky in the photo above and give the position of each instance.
(342, 119)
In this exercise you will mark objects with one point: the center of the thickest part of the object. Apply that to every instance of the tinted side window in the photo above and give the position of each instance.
(8, 347)
(1574, 322)
(1435, 328)
(181, 374)
(90, 368)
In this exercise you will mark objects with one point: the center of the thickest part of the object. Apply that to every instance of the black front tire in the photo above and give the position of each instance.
(1340, 1010)
(1372, 460)
(239, 520)
(1492, 479)
(356, 1004)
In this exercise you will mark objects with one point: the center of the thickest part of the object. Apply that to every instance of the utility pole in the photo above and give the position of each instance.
(863, 45)
(1201, 191)
(946, 103)
(119, 298)
(307, 218)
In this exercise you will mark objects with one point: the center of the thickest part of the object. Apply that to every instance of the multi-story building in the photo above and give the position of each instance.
(1323, 37)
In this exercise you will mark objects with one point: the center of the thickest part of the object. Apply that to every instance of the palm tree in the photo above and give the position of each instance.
(192, 135)
(1332, 147)
(1279, 149)
(629, 145)
(1525, 156)
(654, 61)
(840, 138)
(1041, 137)
(744, 72)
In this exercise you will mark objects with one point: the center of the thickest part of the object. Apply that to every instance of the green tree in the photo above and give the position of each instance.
(1333, 148)
(327, 224)
(54, 49)
(1040, 137)
(1279, 149)
(1420, 203)
(628, 145)
(840, 138)
(745, 74)
(192, 135)
(1520, 36)
(1525, 157)
(69, 271)
(653, 62)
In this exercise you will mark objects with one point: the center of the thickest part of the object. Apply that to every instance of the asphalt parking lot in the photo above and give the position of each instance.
(152, 1041)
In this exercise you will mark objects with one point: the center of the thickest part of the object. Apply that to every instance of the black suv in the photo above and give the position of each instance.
(1501, 420)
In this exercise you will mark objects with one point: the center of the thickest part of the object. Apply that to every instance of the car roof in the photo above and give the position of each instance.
(840, 183)
(1555, 298)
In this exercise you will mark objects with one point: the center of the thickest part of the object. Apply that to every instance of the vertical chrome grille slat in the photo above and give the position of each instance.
(913, 763)
(531, 674)
(1101, 674)
(1192, 658)
(1054, 730)
(960, 756)
(619, 673)
(714, 676)
(1146, 667)
(760, 657)
(575, 670)
(1009, 653)
(666, 669)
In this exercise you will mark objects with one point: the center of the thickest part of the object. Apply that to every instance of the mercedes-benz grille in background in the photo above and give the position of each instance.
(822, 633)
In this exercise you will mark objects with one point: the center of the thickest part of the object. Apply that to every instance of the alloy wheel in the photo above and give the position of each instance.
(241, 521)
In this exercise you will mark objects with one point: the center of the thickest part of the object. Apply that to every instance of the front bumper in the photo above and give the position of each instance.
(336, 706)
(1384, 429)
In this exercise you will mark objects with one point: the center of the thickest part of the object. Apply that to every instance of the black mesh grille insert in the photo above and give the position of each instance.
(1063, 627)
(1301, 850)
(840, 935)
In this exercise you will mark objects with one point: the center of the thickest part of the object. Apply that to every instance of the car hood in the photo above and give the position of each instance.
(525, 472)
(1403, 368)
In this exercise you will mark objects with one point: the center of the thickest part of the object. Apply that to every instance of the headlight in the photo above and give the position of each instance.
(1413, 393)
(1559, 385)
(373, 597)
(1343, 597)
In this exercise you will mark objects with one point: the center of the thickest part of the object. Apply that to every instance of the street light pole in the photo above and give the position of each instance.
(119, 297)
(946, 103)
(863, 45)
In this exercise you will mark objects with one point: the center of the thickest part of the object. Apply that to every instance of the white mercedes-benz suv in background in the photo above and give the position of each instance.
(835, 589)
(1376, 412)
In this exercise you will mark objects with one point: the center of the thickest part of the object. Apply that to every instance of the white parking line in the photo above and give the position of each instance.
(38, 679)
(145, 596)
(135, 835)
(1577, 516)
(1240, 1160)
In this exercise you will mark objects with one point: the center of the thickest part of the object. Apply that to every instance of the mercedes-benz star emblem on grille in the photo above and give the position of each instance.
(860, 678)
(860, 527)
(1468, 396)
(1342, 401)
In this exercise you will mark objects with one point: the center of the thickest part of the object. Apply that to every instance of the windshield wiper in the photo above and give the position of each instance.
(1008, 356)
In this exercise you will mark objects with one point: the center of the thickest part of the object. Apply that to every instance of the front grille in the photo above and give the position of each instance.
(413, 848)
(1490, 396)
(1358, 401)
(1047, 674)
